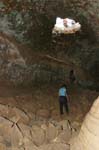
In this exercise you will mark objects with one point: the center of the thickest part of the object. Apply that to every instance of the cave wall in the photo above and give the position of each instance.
(31, 23)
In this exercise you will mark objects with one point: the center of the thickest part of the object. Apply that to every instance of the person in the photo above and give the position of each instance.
(68, 22)
(72, 77)
(63, 99)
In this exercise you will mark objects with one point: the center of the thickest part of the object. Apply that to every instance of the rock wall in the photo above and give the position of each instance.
(31, 22)
(89, 134)
(14, 67)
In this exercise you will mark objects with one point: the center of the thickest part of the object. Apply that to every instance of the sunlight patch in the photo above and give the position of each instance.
(66, 26)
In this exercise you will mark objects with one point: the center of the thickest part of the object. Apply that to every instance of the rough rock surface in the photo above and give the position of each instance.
(14, 67)
(89, 134)
(17, 134)
(41, 15)
(22, 127)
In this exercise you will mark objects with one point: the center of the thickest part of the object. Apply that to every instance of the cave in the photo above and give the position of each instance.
(34, 64)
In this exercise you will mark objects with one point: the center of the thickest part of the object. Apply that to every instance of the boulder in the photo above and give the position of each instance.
(5, 128)
(19, 116)
(26, 130)
(50, 131)
(28, 144)
(16, 137)
(88, 137)
(38, 135)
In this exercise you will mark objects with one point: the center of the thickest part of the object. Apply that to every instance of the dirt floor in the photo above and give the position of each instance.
(34, 99)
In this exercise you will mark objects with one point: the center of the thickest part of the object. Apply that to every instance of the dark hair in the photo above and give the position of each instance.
(72, 71)
(64, 85)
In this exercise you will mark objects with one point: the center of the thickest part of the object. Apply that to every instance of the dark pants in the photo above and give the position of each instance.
(63, 103)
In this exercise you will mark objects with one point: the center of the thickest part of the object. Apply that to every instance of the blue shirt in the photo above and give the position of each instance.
(62, 91)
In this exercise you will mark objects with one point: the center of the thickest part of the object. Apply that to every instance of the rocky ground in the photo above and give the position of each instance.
(30, 117)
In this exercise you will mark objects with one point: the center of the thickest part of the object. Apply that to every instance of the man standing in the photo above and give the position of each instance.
(63, 99)
(72, 77)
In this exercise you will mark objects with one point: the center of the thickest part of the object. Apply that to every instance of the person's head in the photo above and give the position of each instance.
(72, 71)
(65, 22)
(63, 85)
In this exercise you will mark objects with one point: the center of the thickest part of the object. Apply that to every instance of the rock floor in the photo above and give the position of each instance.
(30, 118)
